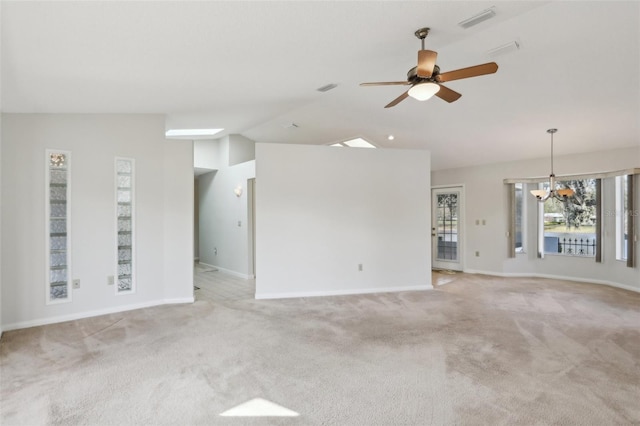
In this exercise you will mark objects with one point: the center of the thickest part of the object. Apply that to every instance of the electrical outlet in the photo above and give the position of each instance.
(360, 267)
(484, 222)
(477, 254)
(76, 284)
(477, 221)
(110, 280)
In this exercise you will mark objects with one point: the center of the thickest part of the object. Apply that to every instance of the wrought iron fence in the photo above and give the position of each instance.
(577, 246)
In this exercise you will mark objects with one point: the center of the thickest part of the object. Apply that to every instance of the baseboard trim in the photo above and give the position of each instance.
(96, 313)
(292, 295)
(227, 271)
(553, 277)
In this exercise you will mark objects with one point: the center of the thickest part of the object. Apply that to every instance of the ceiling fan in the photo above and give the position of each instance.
(426, 79)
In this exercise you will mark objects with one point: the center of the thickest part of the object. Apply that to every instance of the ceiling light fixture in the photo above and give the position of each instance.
(476, 19)
(559, 194)
(424, 91)
(391, 137)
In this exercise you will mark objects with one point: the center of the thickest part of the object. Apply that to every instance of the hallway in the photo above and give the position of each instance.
(213, 285)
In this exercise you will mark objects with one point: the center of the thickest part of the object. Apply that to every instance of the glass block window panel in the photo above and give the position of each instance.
(124, 239)
(57, 197)
(125, 227)
(58, 226)
(57, 259)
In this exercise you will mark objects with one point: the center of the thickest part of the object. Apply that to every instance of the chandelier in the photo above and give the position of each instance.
(561, 194)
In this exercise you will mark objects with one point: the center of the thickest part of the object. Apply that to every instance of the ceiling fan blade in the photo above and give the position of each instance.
(447, 94)
(488, 68)
(386, 83)
(397, 100)
(426, 63)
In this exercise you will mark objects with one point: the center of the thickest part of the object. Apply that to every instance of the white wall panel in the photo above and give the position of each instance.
(322, 211)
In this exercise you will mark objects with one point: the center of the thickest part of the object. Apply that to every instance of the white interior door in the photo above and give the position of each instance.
(446, 229)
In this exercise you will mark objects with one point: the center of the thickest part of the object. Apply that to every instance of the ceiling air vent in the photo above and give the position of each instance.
(476, 19)
(327, 87)
(504, 49)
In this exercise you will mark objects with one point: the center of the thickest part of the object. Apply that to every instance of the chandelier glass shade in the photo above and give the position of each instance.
(561, 194)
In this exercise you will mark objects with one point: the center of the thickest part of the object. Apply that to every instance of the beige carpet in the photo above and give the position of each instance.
(477, 350)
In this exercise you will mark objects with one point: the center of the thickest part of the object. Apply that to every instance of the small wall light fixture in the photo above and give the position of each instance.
(238, 190)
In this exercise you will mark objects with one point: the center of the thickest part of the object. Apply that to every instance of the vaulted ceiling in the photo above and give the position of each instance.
(253, 68)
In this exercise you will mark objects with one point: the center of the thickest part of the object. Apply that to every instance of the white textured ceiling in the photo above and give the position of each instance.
(254, 67)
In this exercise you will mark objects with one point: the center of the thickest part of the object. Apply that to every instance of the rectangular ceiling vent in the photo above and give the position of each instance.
(504, 49)
(480, 17)
(327, 87)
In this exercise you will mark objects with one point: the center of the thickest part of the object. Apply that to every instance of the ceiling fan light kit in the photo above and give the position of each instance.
(426, 79)
(424, 91)
(561, 194)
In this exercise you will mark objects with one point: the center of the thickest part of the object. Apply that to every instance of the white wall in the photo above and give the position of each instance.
(321, 211)
(206, 154)
(178, 221)
(0, 215)
(486, 198)
(164, 213)
(241, 149)
(1, 173)
(223, 224)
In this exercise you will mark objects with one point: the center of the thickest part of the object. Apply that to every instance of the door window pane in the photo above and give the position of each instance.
(447, 226)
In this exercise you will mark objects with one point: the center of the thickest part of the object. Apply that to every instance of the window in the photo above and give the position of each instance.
(621, 214)
(517, 218)
(571, 227)
(520, 219)
(125, 209)
(625, 218)
(575, 227)
(58, 264)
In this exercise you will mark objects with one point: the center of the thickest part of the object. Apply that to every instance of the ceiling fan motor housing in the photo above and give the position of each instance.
(412, 76)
